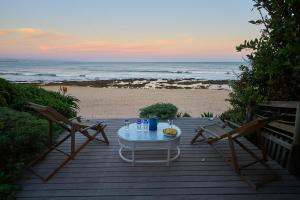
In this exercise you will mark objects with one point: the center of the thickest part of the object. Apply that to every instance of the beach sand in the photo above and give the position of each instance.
(122, 102)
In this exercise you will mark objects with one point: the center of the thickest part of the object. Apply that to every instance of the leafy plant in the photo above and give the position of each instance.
(7, 92)
(18, 95)
(273, 68)
(22, 134)
(161, 110)
(207, 114)
(234, 115)
(22, 137)
(274, 57)
(183, 114)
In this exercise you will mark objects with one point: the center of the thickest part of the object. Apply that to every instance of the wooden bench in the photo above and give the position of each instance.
(282, 137)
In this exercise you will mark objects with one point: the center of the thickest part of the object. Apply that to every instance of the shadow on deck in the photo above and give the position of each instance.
(200, 173)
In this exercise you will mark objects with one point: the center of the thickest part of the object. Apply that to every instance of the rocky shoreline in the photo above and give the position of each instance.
(147, 84)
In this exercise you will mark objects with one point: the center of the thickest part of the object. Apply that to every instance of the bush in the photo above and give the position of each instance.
(22, 137)
(66, 105)
(18, 95)
(272, 72)
(7, 92)
(234, 115)
(207, 114)
(274, 55)
(183, 114)
(161, 110)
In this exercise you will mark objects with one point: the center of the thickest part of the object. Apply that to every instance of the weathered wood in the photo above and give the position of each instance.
(278, 141)
(200, 173)
(297, 127)
(50, 134)
(294, 158)
(280, 133)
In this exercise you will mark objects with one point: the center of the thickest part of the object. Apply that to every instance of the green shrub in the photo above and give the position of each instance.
(65, 104)
(22, 137)
(234, 115)
(18, 95)
(7, 92)
(207, 114)
(161, 110)
(22, 134)
(183, 114)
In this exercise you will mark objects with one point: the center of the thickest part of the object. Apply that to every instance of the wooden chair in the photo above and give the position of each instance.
(72, 127)
(216, 132)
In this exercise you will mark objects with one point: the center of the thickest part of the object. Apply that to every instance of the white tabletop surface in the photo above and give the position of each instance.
(133, 134)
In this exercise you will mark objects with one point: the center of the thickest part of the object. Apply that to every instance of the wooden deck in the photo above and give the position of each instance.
(200, 173)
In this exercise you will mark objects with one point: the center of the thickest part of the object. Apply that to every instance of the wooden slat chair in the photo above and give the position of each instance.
(72, 127)
(216, 132)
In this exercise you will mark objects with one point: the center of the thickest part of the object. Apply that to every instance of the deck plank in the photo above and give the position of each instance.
(200, 173)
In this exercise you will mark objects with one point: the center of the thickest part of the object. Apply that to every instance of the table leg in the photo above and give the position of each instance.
(132, 155)
(168, 157)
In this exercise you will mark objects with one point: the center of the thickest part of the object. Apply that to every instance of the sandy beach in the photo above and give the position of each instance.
(122, 102)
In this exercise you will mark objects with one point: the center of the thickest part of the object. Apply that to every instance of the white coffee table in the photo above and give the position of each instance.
(133, 139)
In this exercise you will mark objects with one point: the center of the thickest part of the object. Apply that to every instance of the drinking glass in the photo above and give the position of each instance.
(139, 124)
(126, 123)
(170, 122)
(145, 124)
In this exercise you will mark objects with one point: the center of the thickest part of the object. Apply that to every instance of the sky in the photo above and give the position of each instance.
(126, 30)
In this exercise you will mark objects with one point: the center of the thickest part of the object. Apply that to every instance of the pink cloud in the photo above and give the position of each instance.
(30, 33)
(32, 41)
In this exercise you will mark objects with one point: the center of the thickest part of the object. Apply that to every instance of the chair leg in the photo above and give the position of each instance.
(261, 144)
(99, 129)
(199, 133)
(104, 134)
(72, 144)
(234, 162)
(262, 161)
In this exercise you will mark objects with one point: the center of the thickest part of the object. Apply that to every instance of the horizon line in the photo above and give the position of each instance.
(118, 61)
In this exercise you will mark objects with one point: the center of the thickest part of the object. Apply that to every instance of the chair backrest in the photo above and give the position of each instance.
(51, 114)
(250, 127)
(246, 129)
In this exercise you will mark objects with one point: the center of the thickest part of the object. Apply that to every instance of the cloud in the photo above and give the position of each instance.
(25, 41)
(30, 33)
(142, 46)
(109, 46)
(178, 46)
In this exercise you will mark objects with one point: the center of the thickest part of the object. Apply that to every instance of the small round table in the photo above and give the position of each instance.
(134, 139)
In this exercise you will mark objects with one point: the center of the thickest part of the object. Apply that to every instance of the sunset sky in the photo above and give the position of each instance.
(125, 30)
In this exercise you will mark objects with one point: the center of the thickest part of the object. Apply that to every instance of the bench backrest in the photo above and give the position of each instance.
(279, 134)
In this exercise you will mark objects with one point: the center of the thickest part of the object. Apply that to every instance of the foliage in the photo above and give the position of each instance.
(7, 92)
(234, 115)
(207, 114)
(161, 110)
(18, 95)
(183, 114)
(22, 137)
(275, 57)
(243, 99)
(273, 70)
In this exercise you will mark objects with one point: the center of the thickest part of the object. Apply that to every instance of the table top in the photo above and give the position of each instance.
(134, 135)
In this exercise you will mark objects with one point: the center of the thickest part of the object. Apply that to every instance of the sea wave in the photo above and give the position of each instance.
(27, 74)
(154, 71)
(31, 70)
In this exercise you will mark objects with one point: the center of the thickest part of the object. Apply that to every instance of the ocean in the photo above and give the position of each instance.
(57, 71)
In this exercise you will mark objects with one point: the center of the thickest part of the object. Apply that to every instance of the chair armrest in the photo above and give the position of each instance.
(232, 124)
(78, 118)
(89, 127)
